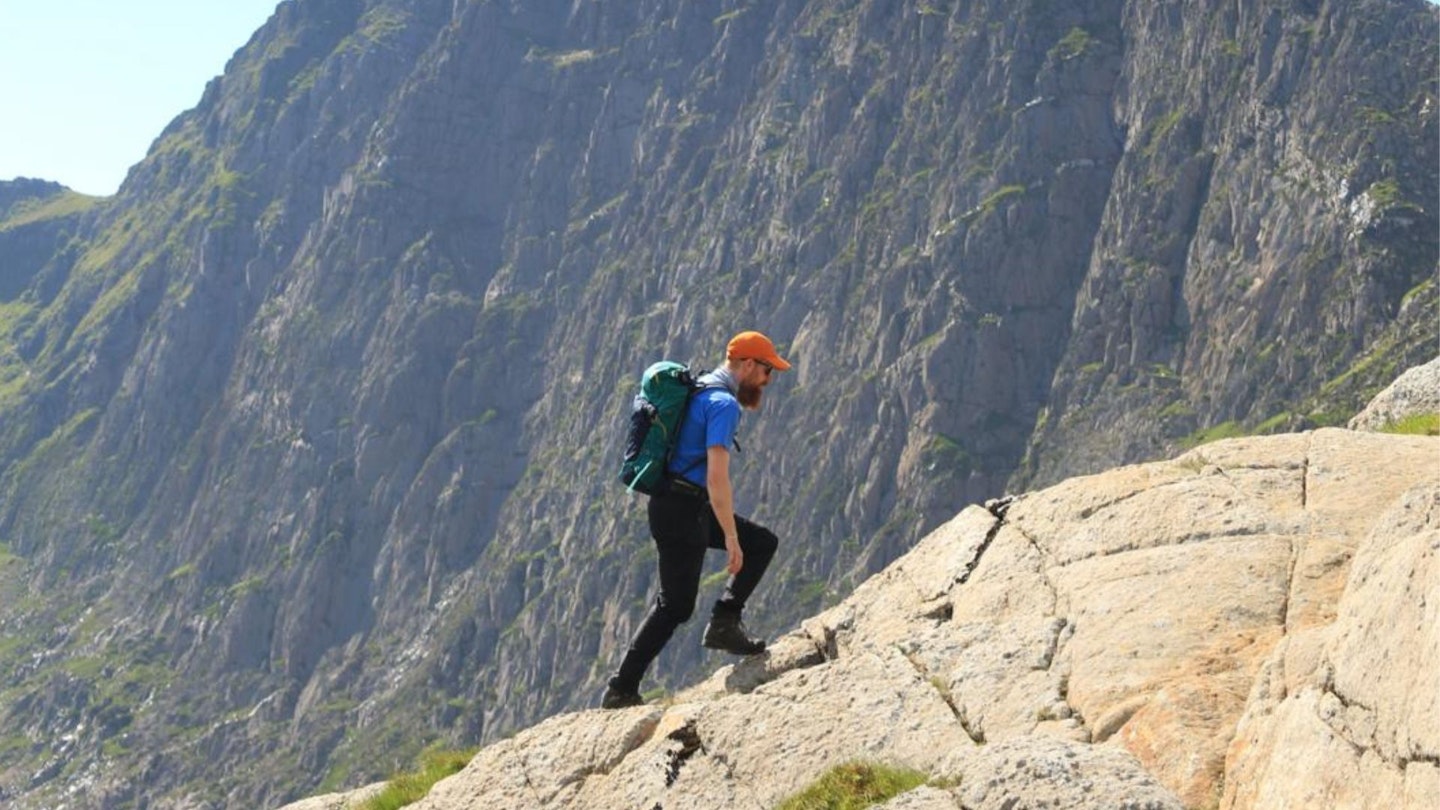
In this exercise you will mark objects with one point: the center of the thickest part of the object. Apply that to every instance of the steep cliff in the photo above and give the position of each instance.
(1251, 278)
(307, 436)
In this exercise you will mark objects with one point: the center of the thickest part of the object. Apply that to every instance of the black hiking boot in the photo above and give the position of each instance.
(726, 632)
(620, 699)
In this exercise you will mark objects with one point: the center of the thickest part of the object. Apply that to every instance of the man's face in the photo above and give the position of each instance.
(754, 376)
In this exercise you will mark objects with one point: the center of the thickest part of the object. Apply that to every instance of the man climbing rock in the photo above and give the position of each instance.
(697, 512)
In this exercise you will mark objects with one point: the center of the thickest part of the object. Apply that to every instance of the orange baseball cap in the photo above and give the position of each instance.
(755, 346)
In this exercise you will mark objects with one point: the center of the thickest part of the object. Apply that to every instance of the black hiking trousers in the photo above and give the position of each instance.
(684, 527)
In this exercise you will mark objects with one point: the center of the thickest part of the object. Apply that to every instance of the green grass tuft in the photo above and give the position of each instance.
(1275, 424)
(1420, 424)
(1075, 43)
(408, 788)
(855, 785)
(1224, 430)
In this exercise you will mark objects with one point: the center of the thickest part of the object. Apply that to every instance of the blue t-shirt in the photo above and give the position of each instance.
(711, 421)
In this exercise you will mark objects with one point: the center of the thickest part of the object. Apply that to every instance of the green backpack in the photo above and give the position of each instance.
(655, 419)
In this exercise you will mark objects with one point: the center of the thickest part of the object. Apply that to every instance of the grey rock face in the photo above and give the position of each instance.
(1252, 265)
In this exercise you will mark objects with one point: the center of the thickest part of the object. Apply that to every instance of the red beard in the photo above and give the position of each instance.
(749, 397)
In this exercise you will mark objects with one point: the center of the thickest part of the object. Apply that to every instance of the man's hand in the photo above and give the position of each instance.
(735, 558)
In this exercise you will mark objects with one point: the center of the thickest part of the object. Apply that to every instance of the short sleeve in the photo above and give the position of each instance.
(722, 418)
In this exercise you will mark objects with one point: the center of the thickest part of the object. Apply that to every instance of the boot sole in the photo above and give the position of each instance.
(719, 648)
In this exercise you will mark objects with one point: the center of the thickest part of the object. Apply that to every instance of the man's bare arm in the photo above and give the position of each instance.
(722, 502)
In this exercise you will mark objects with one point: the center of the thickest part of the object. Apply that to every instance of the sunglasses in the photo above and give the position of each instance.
(768, 368)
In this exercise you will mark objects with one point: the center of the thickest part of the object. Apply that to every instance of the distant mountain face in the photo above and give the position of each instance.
(309, 435)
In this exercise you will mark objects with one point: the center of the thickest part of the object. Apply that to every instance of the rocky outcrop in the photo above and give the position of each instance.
(1345, 715)
(350, 800)
(1248, 625)
(1414, 393)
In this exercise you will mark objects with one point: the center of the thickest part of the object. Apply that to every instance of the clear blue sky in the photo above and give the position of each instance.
(87, 85)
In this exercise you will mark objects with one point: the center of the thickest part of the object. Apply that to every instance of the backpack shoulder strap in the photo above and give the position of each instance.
(701, 385)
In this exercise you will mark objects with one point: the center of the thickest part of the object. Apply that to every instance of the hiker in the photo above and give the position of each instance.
(697, 511)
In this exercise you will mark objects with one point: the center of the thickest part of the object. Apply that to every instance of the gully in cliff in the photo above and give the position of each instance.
(694, 510)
